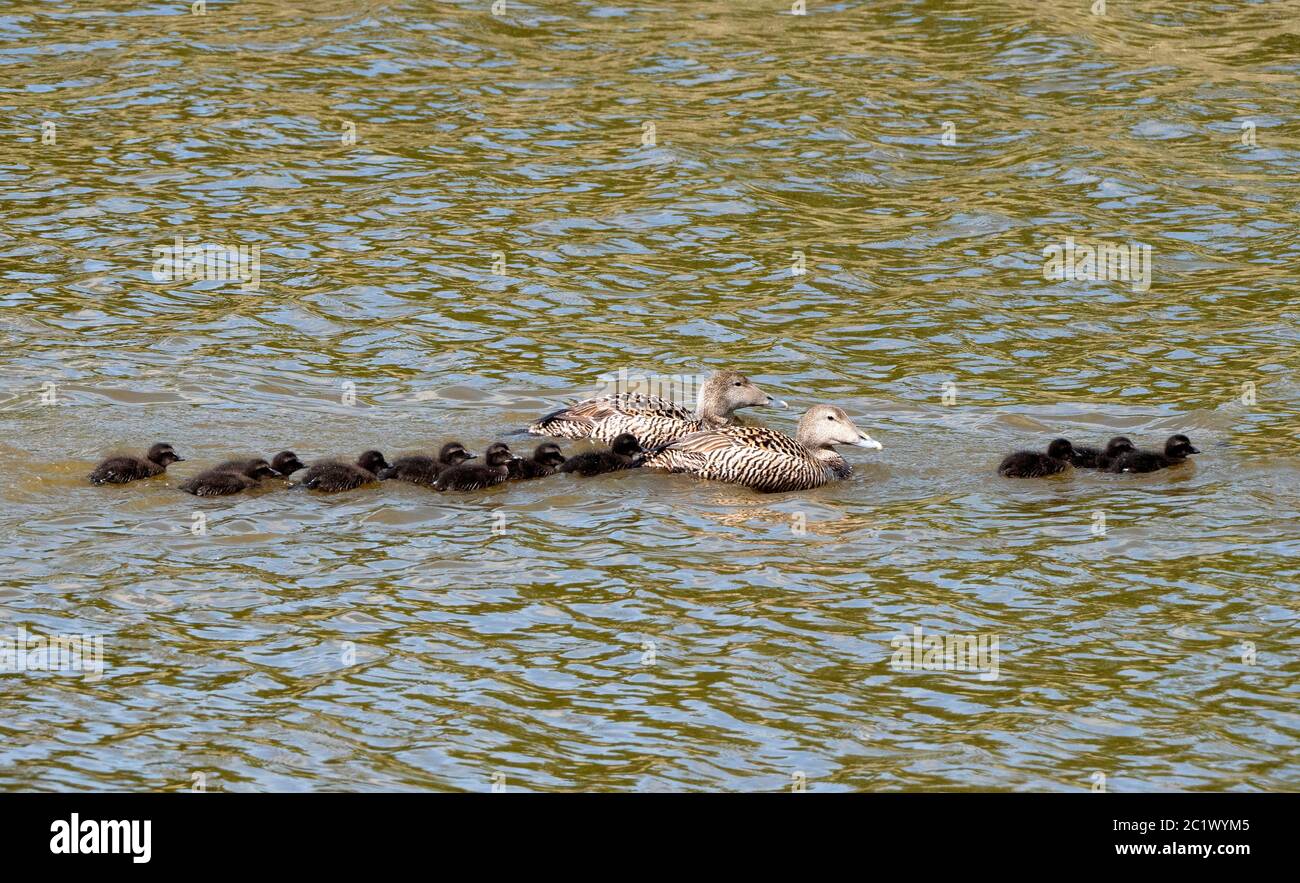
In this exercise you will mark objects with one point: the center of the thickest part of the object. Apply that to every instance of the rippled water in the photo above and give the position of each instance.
(642, 631)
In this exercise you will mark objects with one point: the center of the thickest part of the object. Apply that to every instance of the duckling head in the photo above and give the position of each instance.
(453, 454)
(498, 454)
(625, 445)
(1118, 445)
(260, 469)
(727, 391)
(286, 463)
(1178, 447)
(824, 426)
(372, 461)
(162, 454)
(549, 454)
(1060, 449)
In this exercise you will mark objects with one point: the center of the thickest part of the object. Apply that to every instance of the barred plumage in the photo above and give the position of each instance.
(654, 420)
(765, 459)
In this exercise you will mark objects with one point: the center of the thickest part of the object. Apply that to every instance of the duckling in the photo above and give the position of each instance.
(284, 464)
(767, 460)
(1031, 464)
(419, 469)
(1091, 458)
(120, 470)
(545, 460)
(1177, 449)
(624, 453)
(228, 478)
(471, 476)
(654, 420)
(335, 475)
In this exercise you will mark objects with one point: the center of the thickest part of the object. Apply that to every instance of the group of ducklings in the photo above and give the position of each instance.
(642, 430)
(1119, 455)
(449, 471)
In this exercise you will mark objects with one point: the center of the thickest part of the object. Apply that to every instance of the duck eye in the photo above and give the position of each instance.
(830, 416)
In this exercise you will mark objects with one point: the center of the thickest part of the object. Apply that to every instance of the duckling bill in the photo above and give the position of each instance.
(120, 470)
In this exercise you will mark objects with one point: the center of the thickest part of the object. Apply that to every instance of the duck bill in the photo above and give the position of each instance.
(471, 456)
(866, 441)
(1193, 450)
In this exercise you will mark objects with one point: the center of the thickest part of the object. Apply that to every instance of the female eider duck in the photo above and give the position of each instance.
(121, 469)
(767, 460)
(335, 475)
(546, 458)
(419, 469)
(1092, 458)
(1177, 449)
(624, 453)
(1031, 464)
(472, 476)
(228, 478)
(653, 420)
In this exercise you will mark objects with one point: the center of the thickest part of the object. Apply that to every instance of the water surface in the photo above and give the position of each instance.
(641, 631)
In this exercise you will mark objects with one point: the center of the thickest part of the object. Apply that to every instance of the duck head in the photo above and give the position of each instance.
(1178, 447)
(1118, 445)
(727, 391)
(372, 461)
(1060, 449)
(625, 445)
(549, 454)
(286, 463)
(453, 454)
(162, 454)
(824, 426)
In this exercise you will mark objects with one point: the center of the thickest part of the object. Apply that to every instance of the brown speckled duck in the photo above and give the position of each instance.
(765, 459)
(653, 420)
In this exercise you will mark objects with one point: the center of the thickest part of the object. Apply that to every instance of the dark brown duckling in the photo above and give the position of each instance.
(624, 453)
(1031, 464)
(1092, 458)
(472, 476)
(285, 463)
(545, 460)
(228, 478)
(1177, 449)
(335, 475)
(419, 469)
(120, 470)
